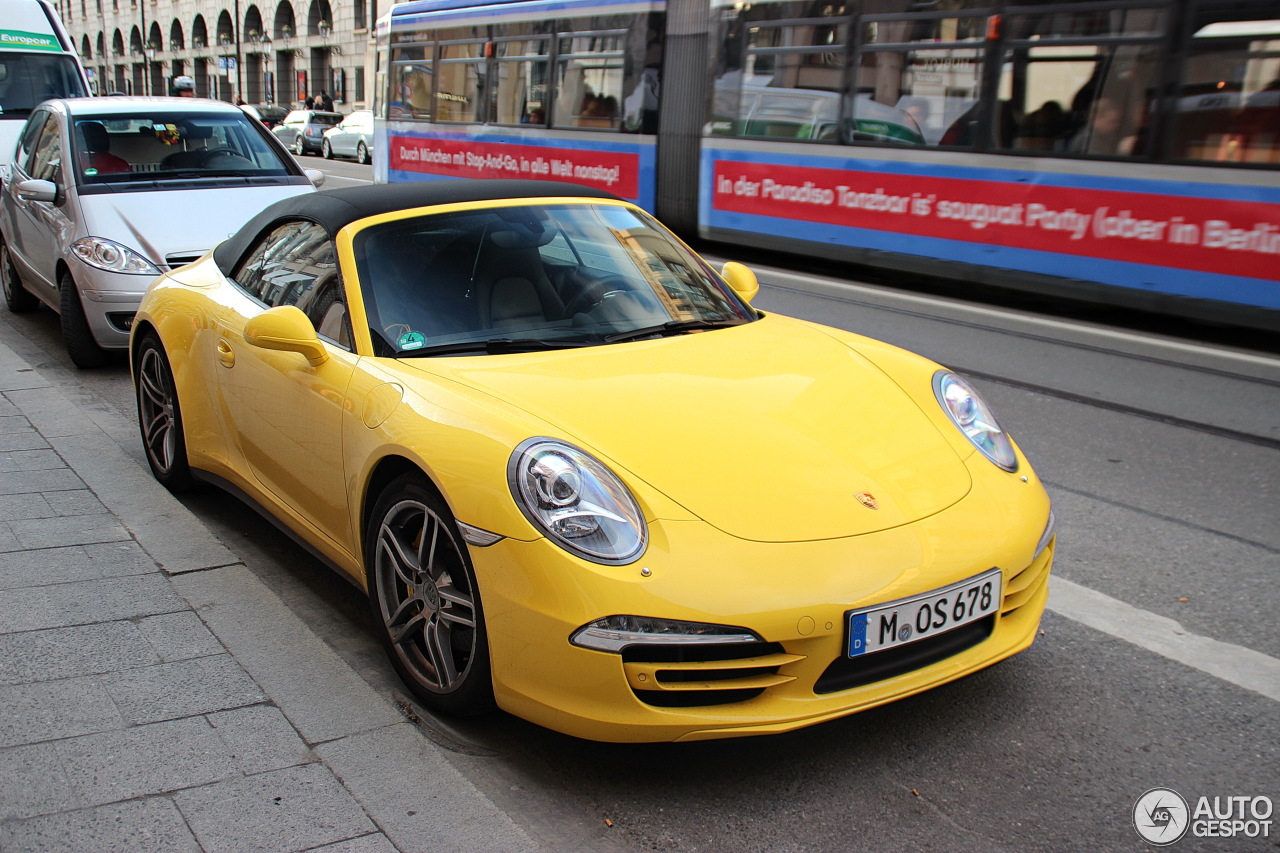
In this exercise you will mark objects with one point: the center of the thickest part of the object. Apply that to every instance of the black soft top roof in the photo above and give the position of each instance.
(334, 209)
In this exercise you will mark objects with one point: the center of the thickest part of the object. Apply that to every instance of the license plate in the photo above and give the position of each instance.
(887, 626)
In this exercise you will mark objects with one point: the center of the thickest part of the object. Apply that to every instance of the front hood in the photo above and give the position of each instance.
(768, 431)
(177, 222)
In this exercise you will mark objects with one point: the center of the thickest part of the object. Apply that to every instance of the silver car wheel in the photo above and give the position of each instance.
(362, 154)
(159, 417)
(424, 596)
(17, 297)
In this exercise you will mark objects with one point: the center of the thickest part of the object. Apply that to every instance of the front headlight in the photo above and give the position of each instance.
(111, 256)
(616, 633)
(973, 417)
(580, 504)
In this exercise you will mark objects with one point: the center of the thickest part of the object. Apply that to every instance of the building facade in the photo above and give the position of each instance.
(266, 52)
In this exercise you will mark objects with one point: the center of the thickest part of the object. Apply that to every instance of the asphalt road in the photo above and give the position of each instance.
(1163, 458)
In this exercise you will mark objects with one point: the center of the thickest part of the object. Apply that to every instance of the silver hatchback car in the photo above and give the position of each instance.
(104, 194)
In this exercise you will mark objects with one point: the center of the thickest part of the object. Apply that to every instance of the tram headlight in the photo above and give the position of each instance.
(973, 417)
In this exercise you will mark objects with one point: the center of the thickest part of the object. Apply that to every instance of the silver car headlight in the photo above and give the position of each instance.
(111, 256)
(973, 417)
(578, 502)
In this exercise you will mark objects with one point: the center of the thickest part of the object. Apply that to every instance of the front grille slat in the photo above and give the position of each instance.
(179, 259)
(702, 675)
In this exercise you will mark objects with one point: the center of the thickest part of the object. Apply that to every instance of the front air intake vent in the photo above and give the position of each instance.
(699, 675)
(180, 259)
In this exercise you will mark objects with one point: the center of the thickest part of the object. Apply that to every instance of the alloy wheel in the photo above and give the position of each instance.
(425, 596)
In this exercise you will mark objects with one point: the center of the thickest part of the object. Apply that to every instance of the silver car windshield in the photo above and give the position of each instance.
(159, 145)
(528, 277)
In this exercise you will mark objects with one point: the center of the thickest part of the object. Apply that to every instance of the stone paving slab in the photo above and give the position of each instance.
(143, 709)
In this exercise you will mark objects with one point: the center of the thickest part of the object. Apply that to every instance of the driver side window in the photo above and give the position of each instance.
(45, 162)
(296, 264)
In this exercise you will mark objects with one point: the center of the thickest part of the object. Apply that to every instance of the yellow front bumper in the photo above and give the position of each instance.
(792, 595)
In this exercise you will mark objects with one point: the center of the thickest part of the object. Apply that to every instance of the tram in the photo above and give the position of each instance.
(1126, 151)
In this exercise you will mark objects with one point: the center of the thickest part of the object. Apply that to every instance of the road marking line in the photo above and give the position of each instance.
(1052, 323)
(1166, 637)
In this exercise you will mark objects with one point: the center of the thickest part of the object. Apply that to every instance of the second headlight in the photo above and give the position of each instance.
(579, 503)
(971, 414)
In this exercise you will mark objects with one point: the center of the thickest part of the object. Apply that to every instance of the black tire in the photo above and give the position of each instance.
(81, 345)
(18, 298)
(160, 416)
(425, 601)
(299, 147)
(362, 154)
(326, 150)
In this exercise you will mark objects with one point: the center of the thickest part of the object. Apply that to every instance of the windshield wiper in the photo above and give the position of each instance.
(493, 346)
(671, 327)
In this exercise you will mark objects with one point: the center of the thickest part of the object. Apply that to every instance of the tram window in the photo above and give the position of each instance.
(790, 81)
(459, 87)
(1079, 99)
(918, 79)
(411, 75)
(522, 71)
(1229, 105)
(1068, 85)
(589, 80)
(916, 97)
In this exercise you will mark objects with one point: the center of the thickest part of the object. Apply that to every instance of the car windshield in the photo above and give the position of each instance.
(26, 79)
(325, 118)
(528, 277)
(161, 145)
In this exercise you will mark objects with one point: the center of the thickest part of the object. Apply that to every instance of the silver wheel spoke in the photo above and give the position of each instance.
(402, 558)
(440, 651)
(463, 611)
(402, 632)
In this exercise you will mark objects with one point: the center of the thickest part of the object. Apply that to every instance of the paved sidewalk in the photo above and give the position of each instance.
(155, 696)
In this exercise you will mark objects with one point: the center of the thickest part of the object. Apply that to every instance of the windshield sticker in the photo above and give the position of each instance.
(412, 340)
(91, 171)
(166, 133)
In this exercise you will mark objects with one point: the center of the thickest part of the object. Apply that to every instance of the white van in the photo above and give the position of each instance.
(38, 61)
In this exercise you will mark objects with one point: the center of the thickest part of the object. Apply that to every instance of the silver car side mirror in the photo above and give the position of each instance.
(315, 176)
(35, 189)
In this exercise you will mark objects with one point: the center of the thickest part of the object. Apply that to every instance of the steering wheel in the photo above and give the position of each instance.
(211, 152)
(595, 293)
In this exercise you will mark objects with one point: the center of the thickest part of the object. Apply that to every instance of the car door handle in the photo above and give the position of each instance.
(226, 355)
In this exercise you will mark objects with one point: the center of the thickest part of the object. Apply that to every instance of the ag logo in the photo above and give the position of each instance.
(868, 500)
(1161, 816)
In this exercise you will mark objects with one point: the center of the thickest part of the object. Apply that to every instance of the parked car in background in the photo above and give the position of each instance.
(269, 114)
(351, 137)
(107, 193)
(302, 131)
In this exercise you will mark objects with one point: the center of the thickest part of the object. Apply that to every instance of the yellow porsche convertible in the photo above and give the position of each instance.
(577, 473)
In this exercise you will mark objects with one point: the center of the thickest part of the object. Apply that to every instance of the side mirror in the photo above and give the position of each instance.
(287, 329)
(37, 190)
(741, 279)
(316, 177)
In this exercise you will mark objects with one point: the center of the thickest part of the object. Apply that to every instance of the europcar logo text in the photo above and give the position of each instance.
(31, 41)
